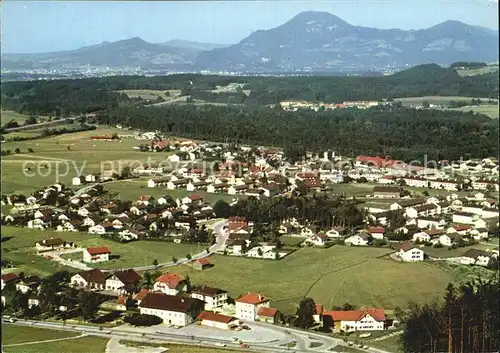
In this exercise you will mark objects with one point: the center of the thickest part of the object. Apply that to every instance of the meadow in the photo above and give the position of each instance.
(488, 110)
(150, 94)
(477, 71)
(333, 276)
(66, 155)
(9, 115)
(19, 334)
(436, 99)
(18, 247)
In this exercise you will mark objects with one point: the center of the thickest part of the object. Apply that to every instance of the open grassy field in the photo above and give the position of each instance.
(436, 99)
(330, 276)
(390, 344)
(479, 71)
(178, 348)
(446, 252)
(131, 190)
(489, 110)
(18, 334)
(8, 115)
(83, 155)
(150, 94)
(18, 246)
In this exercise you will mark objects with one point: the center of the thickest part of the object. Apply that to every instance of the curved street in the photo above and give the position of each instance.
(221, 238)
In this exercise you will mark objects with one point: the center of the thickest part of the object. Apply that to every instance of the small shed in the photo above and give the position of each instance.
(202, 264)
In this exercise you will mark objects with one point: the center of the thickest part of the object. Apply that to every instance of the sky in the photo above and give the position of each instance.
(45, 26)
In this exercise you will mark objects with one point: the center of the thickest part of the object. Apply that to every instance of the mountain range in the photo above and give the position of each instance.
(310, 41)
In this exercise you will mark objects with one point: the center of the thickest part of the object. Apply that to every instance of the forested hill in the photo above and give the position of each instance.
(402, 133)
(86, 95)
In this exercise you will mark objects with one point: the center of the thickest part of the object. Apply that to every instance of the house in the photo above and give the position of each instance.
(201, 264)
(34, 300)
(336, 232)
(127, 281)
(386, 192)
(223, 322)
(138, 297)
(93, 279)
(37, 223)
(121, 303)
(376, 232)
(97, 229)
(464, 217)
(76, 181)
(477, 257)
(361, 239)
(248, 305)
(173, 310)
(213, 297)
(461, 229)
(170, 283)
(26, 284)
(404, 204)
(448, 239)
(269, 315)
(9, 278)
(318, 315)
(408, 252)
(319, 239)
(53, 243)
(355, 320)
(93, 255)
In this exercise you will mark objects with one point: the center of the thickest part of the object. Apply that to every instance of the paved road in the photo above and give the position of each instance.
(139, 334)
(221, 238)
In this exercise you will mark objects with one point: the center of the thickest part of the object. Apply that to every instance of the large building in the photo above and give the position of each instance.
(213, 297)
(355, 320)
(173, 310)
(248, 305)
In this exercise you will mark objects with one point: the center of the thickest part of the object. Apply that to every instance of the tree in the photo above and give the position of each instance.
(174, 259)
(147, 280)
(222, 209)
(30, 120)
(305, 313)
(425, 104)
(89, 305)
(155, 263)
(17, 151)
(188, 256)
(142, 320)
(30, 150)
(347, 307)
(125, 172)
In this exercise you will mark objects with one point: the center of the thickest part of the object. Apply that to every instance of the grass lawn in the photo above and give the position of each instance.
(362, 189)
(8, 115)
(391, 344)
(435, 99)
(291, 241)
(478, 71)
(345, 349)
(18, 334)
(489, 110)
(446, 252)
(152, 94)
(330, 276)
(177, 348)
(84, 155)
(20, 250)
(131, 190)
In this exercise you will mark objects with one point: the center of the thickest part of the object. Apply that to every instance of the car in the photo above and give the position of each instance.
(244, 345)
(245, 327)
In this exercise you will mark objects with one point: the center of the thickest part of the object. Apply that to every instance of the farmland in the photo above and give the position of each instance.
(149, 94)
(18, 247)
(18, 335)
(436, 99)
(330, 276)
(74, 152)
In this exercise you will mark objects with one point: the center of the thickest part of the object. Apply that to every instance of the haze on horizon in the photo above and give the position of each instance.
(46, 26)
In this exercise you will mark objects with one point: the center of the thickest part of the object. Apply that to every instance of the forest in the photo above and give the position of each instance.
(395, 131)
(72, 97)
(467, 321)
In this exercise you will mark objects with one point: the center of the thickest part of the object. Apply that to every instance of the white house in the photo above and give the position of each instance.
(213, 297)
(170, 283)
(408, 252)
(248, 305)
(477, 257)
(358, 240)
(97, 229)
(356, 320)
(223, 322)
(173, 310)
(317, 239)
(93, 255)
(93, 279)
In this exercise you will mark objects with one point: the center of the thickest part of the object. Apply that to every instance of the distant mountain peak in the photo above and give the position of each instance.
(320, 17)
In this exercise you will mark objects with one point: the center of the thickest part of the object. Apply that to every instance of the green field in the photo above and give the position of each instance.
(83, 155)
(177, 348)
(19, 334)
(330, 276)
(131, 190)
(150, 94)
(489, 110)
(390, 344)
(20, 249)
(8, 115)
(479, 71)
(436, 99)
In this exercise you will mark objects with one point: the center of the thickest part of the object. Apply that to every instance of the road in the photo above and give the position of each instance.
(221, 238)
(39, 125)
(143, 335)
